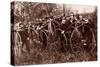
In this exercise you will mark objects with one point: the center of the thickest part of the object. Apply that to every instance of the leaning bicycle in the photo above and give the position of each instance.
(82, 37)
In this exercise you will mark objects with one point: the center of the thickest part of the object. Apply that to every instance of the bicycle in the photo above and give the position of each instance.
(82, 35)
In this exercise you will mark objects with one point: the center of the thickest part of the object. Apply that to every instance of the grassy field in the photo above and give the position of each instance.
(52, 55)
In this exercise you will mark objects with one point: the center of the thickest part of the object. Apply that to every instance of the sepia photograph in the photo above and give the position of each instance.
(49, 33)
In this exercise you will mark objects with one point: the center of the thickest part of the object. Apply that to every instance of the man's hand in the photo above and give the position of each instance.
(38, 28)
(62, 32)
(28, 38)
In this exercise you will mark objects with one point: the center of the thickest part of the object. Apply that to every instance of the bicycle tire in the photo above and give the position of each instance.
(75, 47)
(18, 44)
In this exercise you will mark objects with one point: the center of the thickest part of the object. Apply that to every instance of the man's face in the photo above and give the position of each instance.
(80, 17)
(63, 22)
(67, 18)
(21, 25)
(71, 16)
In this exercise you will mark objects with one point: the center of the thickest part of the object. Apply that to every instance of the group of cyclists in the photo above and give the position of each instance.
(63, 28)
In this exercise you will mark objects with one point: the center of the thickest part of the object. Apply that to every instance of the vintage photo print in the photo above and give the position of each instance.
(48, 33)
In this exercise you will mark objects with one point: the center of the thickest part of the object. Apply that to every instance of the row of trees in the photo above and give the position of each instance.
(24, 11)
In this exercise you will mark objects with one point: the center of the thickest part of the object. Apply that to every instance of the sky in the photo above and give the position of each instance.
(80, 8)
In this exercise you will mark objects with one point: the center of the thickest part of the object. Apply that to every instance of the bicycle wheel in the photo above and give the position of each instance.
(35, 35)
(88, 36)
(18, 45)
(94, 44)
(75, 41)
(43, 37)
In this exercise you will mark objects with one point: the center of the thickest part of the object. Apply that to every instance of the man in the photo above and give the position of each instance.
(42, 34)
(24, 36)
(62, 34)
